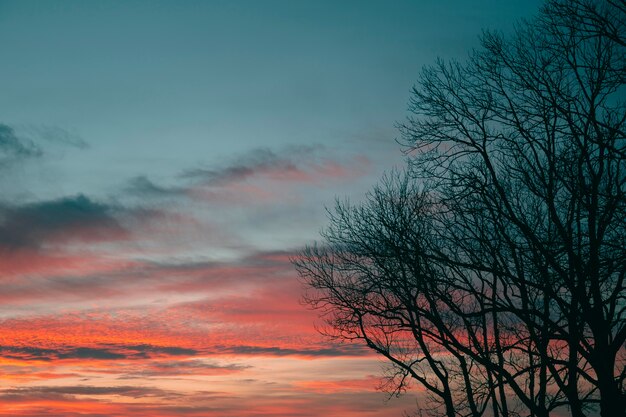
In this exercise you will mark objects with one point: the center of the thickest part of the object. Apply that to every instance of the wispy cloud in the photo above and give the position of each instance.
(144, 187)
(18, 143)
(55, 134)
(253, 173)
(259, 162)
(14, 147)
(295, 164)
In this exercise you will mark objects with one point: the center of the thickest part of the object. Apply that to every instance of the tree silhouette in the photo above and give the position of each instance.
(492, 272)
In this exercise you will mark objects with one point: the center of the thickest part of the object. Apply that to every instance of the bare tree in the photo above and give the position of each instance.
(493, 273)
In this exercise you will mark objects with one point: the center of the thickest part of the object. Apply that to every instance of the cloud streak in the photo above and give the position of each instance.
(253, 173)
(294, 164)
(110, 352)
(259, 162)
(47, 391)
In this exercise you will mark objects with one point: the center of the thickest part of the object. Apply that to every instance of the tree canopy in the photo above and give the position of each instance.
(492, 271)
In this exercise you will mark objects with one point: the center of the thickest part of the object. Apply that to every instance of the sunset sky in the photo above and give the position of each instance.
(160, 161)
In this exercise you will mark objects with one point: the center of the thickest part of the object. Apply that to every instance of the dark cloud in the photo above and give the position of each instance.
(14, 147)
(70, 218)
(27, 353)
(112, 352)
(148, 350)
(90, 353)
(40, 354)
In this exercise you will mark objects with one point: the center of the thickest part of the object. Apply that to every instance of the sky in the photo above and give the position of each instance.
(161, 162)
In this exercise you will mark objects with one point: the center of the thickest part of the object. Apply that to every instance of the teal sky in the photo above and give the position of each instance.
(156, 87)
